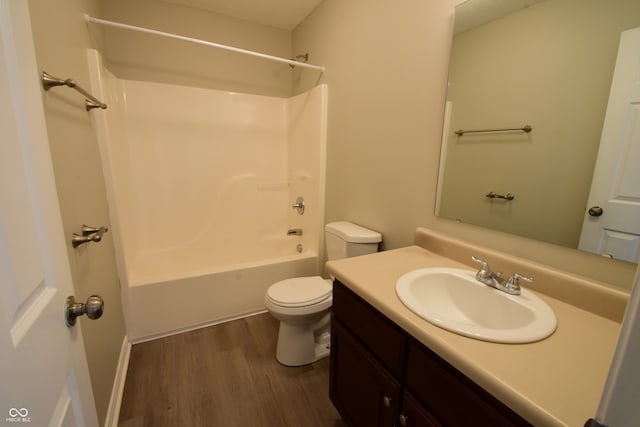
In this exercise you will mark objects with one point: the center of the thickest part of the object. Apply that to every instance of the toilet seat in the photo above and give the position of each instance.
(299, 291)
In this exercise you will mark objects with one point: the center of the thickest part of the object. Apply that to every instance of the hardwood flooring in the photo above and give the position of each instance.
(224, 375)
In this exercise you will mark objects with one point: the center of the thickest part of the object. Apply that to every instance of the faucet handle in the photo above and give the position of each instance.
(513, 281)
(484, 274)
(517, 276)
(484, 266)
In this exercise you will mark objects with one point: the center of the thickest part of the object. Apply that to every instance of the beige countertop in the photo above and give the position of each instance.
(553, 382)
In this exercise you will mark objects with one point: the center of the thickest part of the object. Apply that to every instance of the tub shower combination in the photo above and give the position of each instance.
(204, 188)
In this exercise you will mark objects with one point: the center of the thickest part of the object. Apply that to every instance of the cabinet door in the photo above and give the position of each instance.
(382, 338)
(415, 415)
(364, 393)
(451, 396)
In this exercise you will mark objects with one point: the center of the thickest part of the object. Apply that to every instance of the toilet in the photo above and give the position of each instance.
(303, 304)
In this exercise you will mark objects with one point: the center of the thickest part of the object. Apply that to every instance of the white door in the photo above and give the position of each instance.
(612, 221)
(43, 371)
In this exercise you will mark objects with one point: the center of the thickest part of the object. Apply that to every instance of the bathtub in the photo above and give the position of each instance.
(200, 184)
(173, 295)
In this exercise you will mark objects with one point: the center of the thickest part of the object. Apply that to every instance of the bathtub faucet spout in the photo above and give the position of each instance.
(294, 232)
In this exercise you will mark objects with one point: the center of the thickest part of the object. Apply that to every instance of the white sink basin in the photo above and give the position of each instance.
(453, 299)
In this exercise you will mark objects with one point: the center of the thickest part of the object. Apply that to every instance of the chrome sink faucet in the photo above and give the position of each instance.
(495, 280)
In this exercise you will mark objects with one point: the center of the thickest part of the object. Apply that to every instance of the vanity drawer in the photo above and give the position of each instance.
(442, 389)
(379, 335)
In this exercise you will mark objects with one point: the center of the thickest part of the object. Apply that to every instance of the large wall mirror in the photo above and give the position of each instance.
(547, 65)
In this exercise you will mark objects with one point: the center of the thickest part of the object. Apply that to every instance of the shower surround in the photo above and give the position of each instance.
(200, 185)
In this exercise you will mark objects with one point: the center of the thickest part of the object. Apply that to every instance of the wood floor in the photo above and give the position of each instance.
(224, 375)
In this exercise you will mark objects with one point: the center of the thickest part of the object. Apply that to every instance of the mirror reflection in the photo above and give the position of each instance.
(544, 64)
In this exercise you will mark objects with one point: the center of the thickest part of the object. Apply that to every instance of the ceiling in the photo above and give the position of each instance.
(283, 14)
(473, 13)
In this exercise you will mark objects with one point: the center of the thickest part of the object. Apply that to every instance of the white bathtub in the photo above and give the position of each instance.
(163, 302)
(200, 185)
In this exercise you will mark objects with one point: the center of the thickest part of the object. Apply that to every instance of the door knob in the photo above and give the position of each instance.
(93, 308)
(595, 211)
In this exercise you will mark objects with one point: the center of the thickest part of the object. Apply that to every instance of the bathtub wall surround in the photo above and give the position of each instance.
(201, 184)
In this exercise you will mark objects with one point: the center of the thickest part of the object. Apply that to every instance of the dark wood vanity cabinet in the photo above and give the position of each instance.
(414, 414)
(364, 393)
(380, 376)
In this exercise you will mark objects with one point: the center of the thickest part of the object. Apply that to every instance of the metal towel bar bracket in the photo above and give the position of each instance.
(526, 129)
(48, 81)
(89, 234)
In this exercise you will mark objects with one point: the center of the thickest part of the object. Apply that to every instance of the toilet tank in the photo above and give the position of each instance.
(345, 239)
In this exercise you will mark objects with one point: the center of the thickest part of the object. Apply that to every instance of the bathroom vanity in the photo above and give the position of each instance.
(375, 364)
(390, 367)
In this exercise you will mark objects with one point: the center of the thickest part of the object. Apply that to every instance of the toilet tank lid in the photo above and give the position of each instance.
(353, 233)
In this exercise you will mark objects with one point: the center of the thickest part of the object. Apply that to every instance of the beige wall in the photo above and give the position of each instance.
(136, 56)
(387, 71)
(60, 39)
(510, 73)
(386, 68)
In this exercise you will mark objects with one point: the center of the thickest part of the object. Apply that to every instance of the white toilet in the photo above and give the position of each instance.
(303, 304)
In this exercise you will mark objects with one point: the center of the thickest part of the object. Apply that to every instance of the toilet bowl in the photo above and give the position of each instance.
(303, 304)
(303, 307)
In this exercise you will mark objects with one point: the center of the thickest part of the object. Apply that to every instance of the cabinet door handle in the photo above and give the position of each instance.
(403, 420)
(386, 400)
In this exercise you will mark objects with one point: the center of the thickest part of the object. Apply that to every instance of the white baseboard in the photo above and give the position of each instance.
(113, 412)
